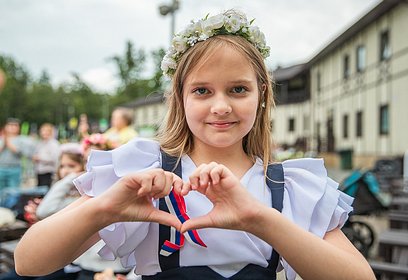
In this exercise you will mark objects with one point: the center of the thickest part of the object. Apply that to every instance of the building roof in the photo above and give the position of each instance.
(382, 8)
(153, 98)
(287, 73)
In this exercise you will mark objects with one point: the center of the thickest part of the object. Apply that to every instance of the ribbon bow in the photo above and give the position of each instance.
(177, 206)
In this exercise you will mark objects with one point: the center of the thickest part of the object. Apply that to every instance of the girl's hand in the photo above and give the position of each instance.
(234, 207)
(131, 198)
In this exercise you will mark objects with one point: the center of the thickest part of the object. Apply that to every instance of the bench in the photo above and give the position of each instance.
(389, 269)
(393, 244)
(13, 231)
(398, 219)
(399, 203)
(7, 255)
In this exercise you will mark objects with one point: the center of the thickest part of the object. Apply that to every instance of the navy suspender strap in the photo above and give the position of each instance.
(275, 182)
(172, 261)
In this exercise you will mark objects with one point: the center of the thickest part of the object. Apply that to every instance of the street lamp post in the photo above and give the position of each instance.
(170, 9)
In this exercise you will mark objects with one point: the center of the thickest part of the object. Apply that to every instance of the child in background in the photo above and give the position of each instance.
(234, 213)
(46, 155)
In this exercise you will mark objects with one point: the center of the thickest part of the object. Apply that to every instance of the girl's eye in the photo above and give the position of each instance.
(200, 91)
(238, 89)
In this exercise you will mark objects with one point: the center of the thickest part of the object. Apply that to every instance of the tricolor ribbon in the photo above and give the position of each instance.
(177, 206)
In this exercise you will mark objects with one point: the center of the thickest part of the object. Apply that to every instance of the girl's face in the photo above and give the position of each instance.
(221, 99)
(68, 166)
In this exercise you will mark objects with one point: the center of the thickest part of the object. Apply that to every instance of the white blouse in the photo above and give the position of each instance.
(311, 200)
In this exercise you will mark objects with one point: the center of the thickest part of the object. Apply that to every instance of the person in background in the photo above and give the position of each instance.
(121, 130)
(46, 155)
(12, 148)
(83, 127)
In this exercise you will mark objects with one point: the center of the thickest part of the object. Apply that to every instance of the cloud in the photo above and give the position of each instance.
(101, 79)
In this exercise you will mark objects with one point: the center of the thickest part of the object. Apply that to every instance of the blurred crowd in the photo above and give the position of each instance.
(47, 166)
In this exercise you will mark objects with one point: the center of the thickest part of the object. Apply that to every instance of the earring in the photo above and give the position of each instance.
(263, 105)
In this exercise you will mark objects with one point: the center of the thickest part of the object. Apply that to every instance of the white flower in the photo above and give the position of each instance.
(212, 23)
(256, 35)
(197, 29)
(179, 43)
(168, 63)
(234, 23)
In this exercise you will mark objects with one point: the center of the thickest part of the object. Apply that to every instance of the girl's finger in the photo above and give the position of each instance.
(159, 184)
(145, 182)
(195, 179)
(165, 218)
(177, 184)
(197, 223)
(215, 174)
(186, 188)
(205, 173)
(167, 186)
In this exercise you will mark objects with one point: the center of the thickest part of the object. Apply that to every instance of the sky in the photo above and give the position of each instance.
(79, 36)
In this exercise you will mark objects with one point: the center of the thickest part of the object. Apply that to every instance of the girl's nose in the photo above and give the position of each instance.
(220, 105)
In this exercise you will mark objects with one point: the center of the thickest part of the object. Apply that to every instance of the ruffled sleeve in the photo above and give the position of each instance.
(312, 200)
(104, 168)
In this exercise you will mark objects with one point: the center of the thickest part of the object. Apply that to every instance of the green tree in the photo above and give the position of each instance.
(130, 65)
(85, 100)
(41, 101)
(15, 91)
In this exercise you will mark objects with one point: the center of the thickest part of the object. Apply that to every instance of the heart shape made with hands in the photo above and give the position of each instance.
(213, 180)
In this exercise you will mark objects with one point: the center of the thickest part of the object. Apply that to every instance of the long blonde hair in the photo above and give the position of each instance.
(174, 135)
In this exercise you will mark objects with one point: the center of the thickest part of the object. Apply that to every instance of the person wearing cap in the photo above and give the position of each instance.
(12, 148)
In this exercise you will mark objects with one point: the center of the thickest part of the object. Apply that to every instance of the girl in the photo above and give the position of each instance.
(63, 192)
(248, 217)
(46, 155)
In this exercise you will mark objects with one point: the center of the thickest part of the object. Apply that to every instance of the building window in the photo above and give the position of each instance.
(291, 124)
(385, 50)
(384, 120)
(319, 82)
(345, 126)
(361, 58)
(346, 66)
(359, 124)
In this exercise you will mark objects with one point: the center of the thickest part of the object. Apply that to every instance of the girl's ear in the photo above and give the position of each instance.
(263, 89)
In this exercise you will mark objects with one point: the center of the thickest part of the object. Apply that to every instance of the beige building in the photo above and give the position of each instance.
(149, 113)
(358, 92)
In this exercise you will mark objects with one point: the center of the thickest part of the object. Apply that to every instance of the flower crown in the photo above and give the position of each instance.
(228, 23)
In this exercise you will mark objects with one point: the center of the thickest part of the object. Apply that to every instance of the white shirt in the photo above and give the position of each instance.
(311, 200)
